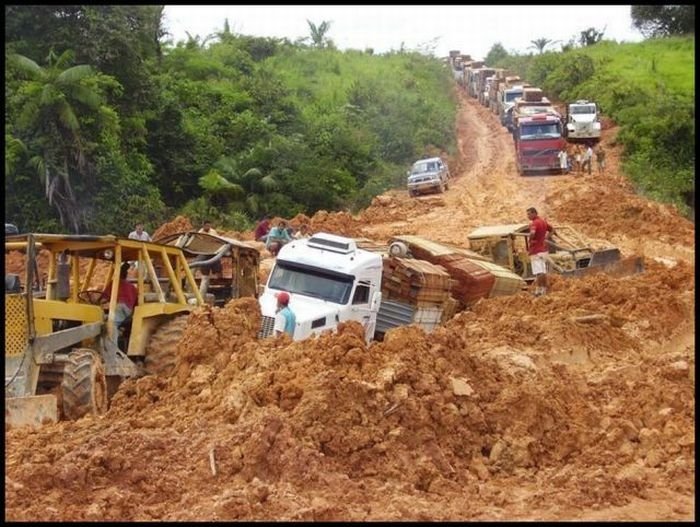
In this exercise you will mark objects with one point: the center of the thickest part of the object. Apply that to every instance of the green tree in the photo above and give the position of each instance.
(663, 20)
(226, 183)
(52, 100)
(495, 54)
(540, 43)
(591, 36)
(318, 33)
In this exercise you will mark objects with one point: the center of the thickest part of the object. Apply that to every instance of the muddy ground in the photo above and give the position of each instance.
(515, 409)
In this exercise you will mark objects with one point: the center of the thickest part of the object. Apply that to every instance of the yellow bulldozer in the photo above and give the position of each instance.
(62, 356)
(570, 253)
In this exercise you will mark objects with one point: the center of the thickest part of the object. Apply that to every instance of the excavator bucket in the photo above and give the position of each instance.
(33, 410)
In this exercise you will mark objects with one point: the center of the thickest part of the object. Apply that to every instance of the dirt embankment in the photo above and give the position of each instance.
(577, 405)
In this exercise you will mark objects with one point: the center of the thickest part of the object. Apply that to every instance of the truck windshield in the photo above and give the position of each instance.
(511, 96)
(421, 167)
(311, 281)
(539, 131)
(583, 109)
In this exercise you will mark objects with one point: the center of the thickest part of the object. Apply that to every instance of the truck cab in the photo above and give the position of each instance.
(329, 280)
(507, 102)
(582, 121)
(538, 141)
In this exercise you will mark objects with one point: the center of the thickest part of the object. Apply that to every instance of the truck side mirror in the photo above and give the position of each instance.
(376, 300)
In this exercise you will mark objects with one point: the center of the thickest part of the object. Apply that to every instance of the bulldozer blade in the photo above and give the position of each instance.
(624, 267)
(605, 257)
(33, 410)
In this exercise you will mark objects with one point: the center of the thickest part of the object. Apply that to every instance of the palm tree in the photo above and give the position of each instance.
(51, 98)
(225, 182)
(540, 43)
(318, 33)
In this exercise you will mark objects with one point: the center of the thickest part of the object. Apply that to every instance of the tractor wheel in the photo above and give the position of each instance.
(83, 388)
(162, 346)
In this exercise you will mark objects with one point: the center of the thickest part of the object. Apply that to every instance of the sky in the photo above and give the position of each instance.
(437, 29)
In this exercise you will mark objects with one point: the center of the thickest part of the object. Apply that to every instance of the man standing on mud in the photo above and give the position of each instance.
(540, 230)
(285, 320)
(600, 159)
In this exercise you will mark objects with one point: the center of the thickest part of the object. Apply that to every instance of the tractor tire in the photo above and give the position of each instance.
(161, 350)
(83, 388)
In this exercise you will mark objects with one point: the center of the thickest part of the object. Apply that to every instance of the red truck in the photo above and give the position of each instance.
(538, 141)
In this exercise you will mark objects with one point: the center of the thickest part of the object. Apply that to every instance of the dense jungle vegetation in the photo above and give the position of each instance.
(647, 88)
(107, 122)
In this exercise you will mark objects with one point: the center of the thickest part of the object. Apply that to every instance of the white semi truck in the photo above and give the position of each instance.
(329, 280)
(582, 121)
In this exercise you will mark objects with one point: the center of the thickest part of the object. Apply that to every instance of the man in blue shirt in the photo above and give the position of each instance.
(285, 320)
(277, 237)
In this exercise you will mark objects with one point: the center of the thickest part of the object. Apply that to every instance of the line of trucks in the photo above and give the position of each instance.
(539, 131)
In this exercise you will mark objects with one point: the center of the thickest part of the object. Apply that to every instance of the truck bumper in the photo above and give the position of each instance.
(425, 186)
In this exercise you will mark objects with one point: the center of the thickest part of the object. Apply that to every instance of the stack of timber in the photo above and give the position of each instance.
(415, 282)
(414, 292)
(474, 276)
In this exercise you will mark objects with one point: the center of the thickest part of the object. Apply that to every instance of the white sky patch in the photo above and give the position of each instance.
(470, 29)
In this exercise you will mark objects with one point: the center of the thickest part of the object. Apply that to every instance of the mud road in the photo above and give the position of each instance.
(513, 410)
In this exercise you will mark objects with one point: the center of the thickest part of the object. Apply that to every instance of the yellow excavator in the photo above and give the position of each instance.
(63, 358)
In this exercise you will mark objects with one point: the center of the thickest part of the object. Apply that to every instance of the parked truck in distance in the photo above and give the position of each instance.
(582, 121)
(538, 141)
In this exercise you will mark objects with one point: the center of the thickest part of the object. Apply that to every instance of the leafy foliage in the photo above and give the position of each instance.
(225, 127)
(496, 54)
(663, 20)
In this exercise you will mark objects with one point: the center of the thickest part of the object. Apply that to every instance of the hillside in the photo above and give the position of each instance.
(563, 421)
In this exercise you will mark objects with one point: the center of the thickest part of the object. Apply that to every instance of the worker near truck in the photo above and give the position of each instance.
(587, 159)
(207, 229)
(285, 319)
(277, 237)
(139, 234)
(600, 159)
(563, 161)
(540, 233)
(262, 229)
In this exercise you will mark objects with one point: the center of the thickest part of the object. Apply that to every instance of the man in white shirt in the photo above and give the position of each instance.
(139, 234)
(206, 228)
(563, 161)
(587, 159)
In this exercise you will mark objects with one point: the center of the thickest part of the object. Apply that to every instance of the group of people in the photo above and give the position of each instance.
(579, 159)
(275, 237)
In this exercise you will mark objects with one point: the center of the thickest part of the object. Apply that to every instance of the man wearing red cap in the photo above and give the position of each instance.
(285, 320)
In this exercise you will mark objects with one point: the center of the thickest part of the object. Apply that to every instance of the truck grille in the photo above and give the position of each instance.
(267, 327)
